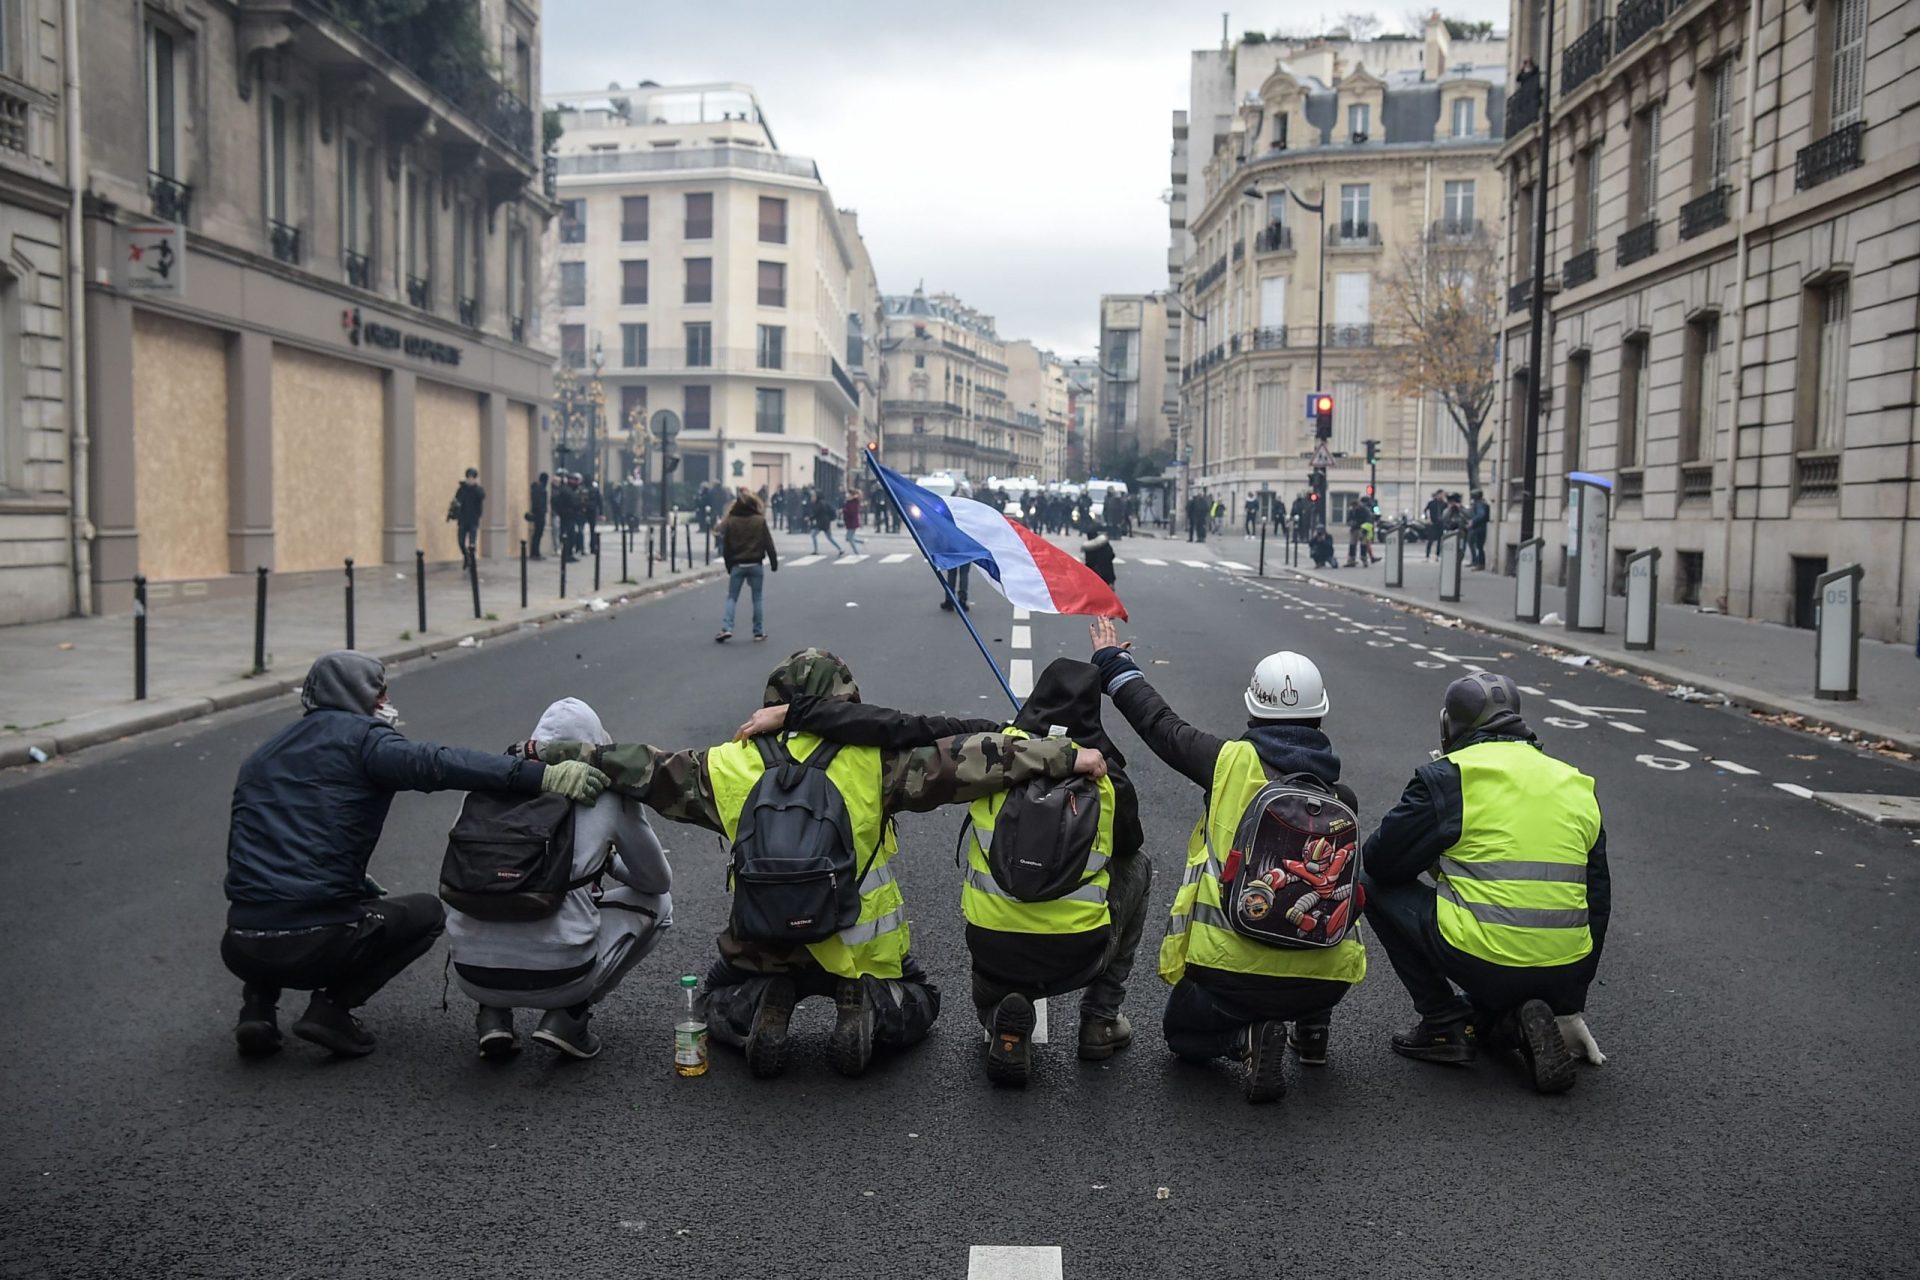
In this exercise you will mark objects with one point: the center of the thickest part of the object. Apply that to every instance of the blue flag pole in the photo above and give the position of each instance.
(873, 465)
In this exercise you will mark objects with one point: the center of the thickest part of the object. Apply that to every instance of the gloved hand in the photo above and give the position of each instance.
(560, 750)
(577, 780)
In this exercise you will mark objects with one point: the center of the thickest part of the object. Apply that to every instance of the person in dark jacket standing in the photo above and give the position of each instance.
(469, 500)
(536, 515)
(1478, 515)
(1097, 551)
(745, 540)
(820, 520)
(1436, 513)
(308, 808)
(1302, 519)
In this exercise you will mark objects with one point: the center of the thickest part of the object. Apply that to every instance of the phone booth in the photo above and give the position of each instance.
(1396, 553)
(1589, 504)
(1526, 580)
(1837, 634)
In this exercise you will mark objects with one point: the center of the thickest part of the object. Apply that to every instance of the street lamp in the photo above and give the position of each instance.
(1318, 478)
(1186, 469)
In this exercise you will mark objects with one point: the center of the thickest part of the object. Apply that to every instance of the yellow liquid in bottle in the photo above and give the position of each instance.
(690, 1048)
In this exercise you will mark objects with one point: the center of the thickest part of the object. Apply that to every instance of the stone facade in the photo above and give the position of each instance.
(1132, 392)
(1037, 386)
(945, 389)
(1733, 259)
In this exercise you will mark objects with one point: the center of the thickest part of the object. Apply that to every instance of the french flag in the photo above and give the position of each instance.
(1027, 569)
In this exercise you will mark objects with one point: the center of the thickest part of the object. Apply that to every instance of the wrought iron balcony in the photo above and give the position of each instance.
(1833, 155)
(506, 118)
(470, 312)
(359, 268)
(517, 329)
(1704, 213)
(420, 292)
(1453, 231)
(1587, 55)
(1211, 276)
(1523, 103)
(1354, 234)
(1638, 243)
(1520, 295)
(1270, 338)
(285, 241)
(1581, 268)
(1637, 18)
(172, 199)
(1273, 238)
(1349, 335)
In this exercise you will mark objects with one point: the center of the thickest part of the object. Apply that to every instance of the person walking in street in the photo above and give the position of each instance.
(617, 904)
(1096, 552)
(1518, 911)
(745, 540)
(881, 995)
(1234, 995)
(820, 513)
(850, 517)
(308, 808)
(469, 501)
(1436, 514)
(1478, 515)
(1253, 514)
(536, 515)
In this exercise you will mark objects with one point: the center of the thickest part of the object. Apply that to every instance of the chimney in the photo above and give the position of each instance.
(1439, 46)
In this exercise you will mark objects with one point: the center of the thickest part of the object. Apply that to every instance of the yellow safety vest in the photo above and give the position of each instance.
(1198, 931)
(1513, 888)
(987, 906)
(874, 945)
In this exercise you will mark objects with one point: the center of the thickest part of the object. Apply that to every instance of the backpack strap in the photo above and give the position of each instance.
(1313, 780)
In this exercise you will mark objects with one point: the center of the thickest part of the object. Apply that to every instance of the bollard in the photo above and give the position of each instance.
(1526, 579)
(1263, 549)
(596, 562)
(673, 549)
(689, 529)
(259, 619)
(709, 559)
(139, 639)
(1643, 597)
(420, 587)
(563, 577)
(1452, 546)
(649, 552)
(473, 576)
(349, 599)
(1836, 625)
(523, 573)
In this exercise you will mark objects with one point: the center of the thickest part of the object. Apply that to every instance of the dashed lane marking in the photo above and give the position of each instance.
(1021, 615)
(1672, 745)
(1531, 692)
(895, 558)
(804, 561)
(1731, 767)
(1623, 725)
(1194, 564)
(1118, 560)
(856, 559)
(1235, 564)
(1795, 789)
(1020, 676)
(1014, 1262)
(1158, 564)
(1022, 638)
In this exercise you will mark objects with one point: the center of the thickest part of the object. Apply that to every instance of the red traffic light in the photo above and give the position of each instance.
(1323, 404)
(1313, 497)
(1369, 491)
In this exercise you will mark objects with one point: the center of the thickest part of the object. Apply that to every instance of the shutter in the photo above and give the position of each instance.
(1349, 415)
(1350, 297)
(1849, 60)
(1652, 186)
(1273, 302)
(1272, 408)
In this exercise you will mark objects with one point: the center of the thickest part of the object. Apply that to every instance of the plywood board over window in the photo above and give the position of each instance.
(519, 475)
(446, 441)
(328, 485)
(180, 447)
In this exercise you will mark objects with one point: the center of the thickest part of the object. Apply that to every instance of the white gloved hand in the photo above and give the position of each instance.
(1580, 1041)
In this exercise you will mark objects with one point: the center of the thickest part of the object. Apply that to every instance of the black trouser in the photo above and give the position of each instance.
(349, 962)
(536, 526)
(904, 1008)
(1477, 544)
(469, 540)
(959, 580)
(1128, 880)
(1405, 918)
(1204, 1022)
(1433, 541)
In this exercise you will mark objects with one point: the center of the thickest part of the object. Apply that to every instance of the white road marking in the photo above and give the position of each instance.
(1561, 722)
(1040, 1020)
(804, 561)
(1671, 745)
(1579, 710)
(1630, 728)
(850, 559)
(1795, 789)
(1235, 564)
(895, 558)
(1415, 644)
(1424, 665)
(1194, 564)
(1020, 676)
(1665, 763)
(1531, 692)
(1118, 560)
(1022, 638)
(1014, 1262)
(1021, 615)
(1731, 767)
(1158, 564)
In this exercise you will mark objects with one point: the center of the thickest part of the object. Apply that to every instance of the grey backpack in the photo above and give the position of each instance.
(793, 875)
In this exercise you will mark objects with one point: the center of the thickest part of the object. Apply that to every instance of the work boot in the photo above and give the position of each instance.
(1436, 1041)
(767, 1042)
(1309, 1042)
(330, 1025)
(495, 1028)
(1101, 1037)
(567, 1031)
(1010, 1042)
(1544, 1048)
(850, 1047)
(1264, 1056)
(258, 1031)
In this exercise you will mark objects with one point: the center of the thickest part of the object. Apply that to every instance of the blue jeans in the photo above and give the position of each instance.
(829, 534)
(853, 542)
(755, 577)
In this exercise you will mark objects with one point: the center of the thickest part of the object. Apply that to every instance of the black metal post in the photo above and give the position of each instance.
(523, 573)
(689, 529)
(473, 576)
(139, 639)
(420, 587)
(1537, 309)
(1263, 548)
(626, 540)
(673, 549)
(259, 619)
(649, 552)
(563, 577)
(709, 559)
(596, 561)
(349, 603)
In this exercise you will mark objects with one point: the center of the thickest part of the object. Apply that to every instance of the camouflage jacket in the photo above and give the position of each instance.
(957, 770)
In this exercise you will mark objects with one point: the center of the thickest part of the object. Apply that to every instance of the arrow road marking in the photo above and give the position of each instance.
(1579, 710)
(1630, 728)
(1665, 763)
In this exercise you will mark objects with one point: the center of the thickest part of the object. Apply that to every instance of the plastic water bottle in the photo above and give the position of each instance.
(690, 1033)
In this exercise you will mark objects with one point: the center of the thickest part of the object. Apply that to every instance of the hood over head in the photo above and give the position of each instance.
(1068, 693)
(344, 680)
(1286, 747)
(571, 720)
(813, 671)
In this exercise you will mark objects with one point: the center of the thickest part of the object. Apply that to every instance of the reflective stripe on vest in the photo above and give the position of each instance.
(1513, 889)
(987, 906)
(985, 883)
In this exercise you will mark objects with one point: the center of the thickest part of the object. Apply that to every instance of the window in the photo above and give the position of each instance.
(1579, 369)
(1457, 205)
(1463, 117)
(633, 282)
(1716, 139)
(517, 282)
(699, 216)
(1123, 353)
(469, 254)
(1352, 298)
(573, 222)
(698, 412)
(1271, 410)
(573, 284)
(418, 242)
(770, 351)
(1643, 195)
(773, 220)
(1700, 390)
(163, 104)
(769, 410)
(699, 280)
(1273, 302)
(1586, 198)
(919, 362)
(699, 345)
(1277, 202)
(1356, 210)
(1359, 117)
(1444, 437)
(773, 284)
(1279, 142)
(356, 198)
(1349, 416)
(1633, 401)
(1522, 233)
(573, 346)
(1824, 329)
(633, 218)
(633, 405)
(278, 158)
(1849, 62)
(633, 346)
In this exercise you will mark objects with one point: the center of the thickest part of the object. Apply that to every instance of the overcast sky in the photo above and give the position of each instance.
(1013, 153)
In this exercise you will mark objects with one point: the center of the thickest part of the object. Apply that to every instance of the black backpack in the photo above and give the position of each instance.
(1043, 836)
(510, 857)
(793, 875)
(1292, 878)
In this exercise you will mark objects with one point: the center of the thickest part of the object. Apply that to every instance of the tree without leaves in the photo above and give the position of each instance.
(1360, 26)
(1440, 305)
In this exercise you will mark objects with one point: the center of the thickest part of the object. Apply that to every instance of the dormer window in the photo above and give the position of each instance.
(1279, 132)
(1463, 117)
(1359, 120)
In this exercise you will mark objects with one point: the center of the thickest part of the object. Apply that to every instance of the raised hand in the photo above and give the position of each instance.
(1105, 635)
(762, 722)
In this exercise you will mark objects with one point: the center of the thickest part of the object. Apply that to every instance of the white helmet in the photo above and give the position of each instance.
(1286, 686)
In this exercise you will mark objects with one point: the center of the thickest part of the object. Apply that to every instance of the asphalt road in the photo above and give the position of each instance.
(1757, 1005)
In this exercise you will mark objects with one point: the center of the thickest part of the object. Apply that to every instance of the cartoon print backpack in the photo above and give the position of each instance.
(1292, 878)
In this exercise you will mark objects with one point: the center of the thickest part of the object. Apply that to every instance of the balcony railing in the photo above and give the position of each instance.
(1349, 335)
(680, 159)
(1817, 476)
(922, 408)
(1211, 276)
(172, 199)
(1453, 230)
(1273, 238)
(1581, 268)
(1696, 481)
(359, 268)
(1520, 295)
(1636, 19)
(15, 113)
(284, 241)
(1523, 103)
(1587, 55)
(1270, 338)
(470, 312)
(1354, 235)
(1833, 155)
(1704, 213)
(1638, 243)
(420, 292)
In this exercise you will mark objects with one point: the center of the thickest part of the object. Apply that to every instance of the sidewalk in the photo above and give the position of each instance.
(1759, 665)
(69, 683)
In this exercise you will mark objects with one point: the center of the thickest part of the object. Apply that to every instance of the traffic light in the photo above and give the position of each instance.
(1323, 415)
(1373, 452)
(1369, 491)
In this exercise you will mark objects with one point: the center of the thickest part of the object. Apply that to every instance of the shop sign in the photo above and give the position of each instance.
(385, 337)
(153, 259)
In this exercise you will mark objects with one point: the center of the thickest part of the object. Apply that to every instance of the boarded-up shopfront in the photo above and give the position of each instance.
(180, 447)
(446, 441)
(328, 421)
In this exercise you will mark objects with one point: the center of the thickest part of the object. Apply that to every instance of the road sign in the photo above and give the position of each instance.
(666, 424)
(1322, 456)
